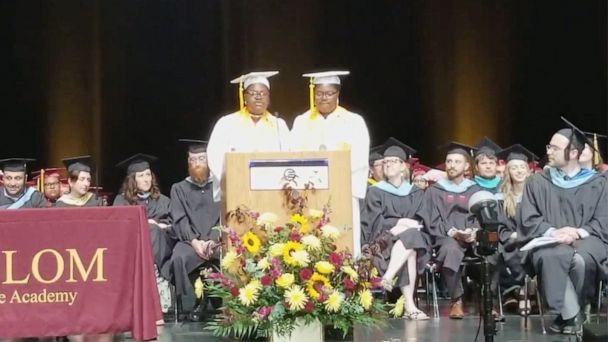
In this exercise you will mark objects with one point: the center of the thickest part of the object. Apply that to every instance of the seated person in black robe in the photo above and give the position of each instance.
(510, 271)
(79, 178)
(194, 214)
(14, 194)
(448, 222)
(391, 229)
(486, 163)
(49, 182)
(569, 204)
(140, 187)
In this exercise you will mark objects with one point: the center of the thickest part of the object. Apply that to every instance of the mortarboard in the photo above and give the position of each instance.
(375, 153)
(137, 163)
(244, 81)
(81, 163)
(486, 146)
(454, 147)
(15, 164)
(395, 148)
(325, 77)
(516, 152)
(575, 135)
(195, 146)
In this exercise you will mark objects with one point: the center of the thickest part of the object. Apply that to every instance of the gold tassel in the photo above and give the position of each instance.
(596, 151)
(311, 93)
(241, 99)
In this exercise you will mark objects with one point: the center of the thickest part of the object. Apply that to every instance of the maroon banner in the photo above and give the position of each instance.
(77, 271)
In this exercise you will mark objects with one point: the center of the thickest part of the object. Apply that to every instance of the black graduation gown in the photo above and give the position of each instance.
(514, 258)
(92, 202)
(381, 213)
(194, 214)
(158, 210)
(545, 205)
(36, 201)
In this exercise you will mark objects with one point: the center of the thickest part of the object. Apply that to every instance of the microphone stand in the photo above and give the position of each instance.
(483, 250)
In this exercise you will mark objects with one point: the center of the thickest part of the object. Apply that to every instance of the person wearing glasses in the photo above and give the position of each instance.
(329, 126)
(250, 129)
(193, 213)
(50, 183)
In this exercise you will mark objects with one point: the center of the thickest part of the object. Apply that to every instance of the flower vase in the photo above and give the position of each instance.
(302, 332)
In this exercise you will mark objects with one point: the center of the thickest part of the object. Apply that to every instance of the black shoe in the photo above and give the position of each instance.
(558, 324)
(198, 313)
(574, 326)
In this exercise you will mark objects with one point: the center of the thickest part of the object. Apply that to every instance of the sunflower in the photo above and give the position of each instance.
(351, 273)
(285, 280)
(314, 284)
(251, 242)
(366, 298)
(334, 302)
(324, 267)
(296, 298)
(290, 247)
(248, 295)
(301, 221)
(311, 242)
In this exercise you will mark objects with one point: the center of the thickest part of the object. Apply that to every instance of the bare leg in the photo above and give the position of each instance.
(408, 290)
(399, 256)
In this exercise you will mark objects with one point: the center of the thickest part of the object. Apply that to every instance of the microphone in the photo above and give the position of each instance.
(483, 205)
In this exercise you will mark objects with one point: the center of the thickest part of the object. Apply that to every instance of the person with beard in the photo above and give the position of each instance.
(251, 129)
(390, 220)
(79, 178)
(140, 187)
(328, 126)
(510, 271)
(50, 182)
(486, 163)
(194, 213)
(14, 194)
(568, 205)
(449, 223)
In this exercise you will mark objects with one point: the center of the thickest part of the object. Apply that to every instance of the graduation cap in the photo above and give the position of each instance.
(137, 163)
(318, 78)
(15, 164)
(454, 147)
(244, 81)
(420, 169)
(80, 164)
(596, 146)
(516, 152)
(195, 146)
(486, 146)
(47, 172)
(575, 135)
(395, 148)
(375, 153)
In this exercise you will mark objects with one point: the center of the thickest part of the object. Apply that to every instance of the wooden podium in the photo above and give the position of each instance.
(255, 180)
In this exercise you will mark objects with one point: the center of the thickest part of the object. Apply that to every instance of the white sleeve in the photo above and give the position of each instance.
(359, 157)
(295, 134)
(284, 135)
(216, 149)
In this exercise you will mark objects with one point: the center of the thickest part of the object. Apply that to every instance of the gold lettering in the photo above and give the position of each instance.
(36, 266)
(9, 270)
(15, 297)
(96, 260)
(50, 297)
(73, 296)
(2, 298)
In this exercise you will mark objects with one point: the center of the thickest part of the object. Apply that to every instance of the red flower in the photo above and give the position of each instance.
(264, 312)
(234, 291)
(376, 282)
(295, 236)
(335, 259)
(266, 280)
(309, 306)
(348, 284)
(305, 274)
(278, 229)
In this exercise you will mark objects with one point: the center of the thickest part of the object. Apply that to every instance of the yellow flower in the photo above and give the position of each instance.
(311, 242)
(315, 213)
(313, 283)
(351, 273)
(397, 311)
(251, 242)
(330, 232)
(374, 272)
(301, 258)
(276, 249)
(263, 264)
(267, 219)
(255, 285)
(229, 259)
(290, 247)
(285, 280)
(198, 288)
(248, 295)
(324, 267)
(296, 298)
(334, 302)
(366, 299)
(301, 221)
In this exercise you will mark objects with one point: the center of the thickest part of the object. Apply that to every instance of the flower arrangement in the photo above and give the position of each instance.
(273, 275)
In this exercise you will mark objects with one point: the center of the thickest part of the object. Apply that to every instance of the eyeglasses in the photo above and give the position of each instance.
(201, 159)
(325, 93)
(254, 93)
(51, 184)
(391, 161)
(553, 148)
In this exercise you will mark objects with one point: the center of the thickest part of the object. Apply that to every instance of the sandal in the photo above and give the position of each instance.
(416, 316)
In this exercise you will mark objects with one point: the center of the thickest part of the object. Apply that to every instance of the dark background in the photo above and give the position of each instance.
(115, 77)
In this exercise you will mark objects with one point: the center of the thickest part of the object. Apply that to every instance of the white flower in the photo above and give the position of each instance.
(263, 264)
(267, 219)
(311, 242)
(315, 213)
(300, 257)
(329, 231)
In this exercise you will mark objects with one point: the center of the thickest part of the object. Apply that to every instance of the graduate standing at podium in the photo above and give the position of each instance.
(328, 126)
(250, 129)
